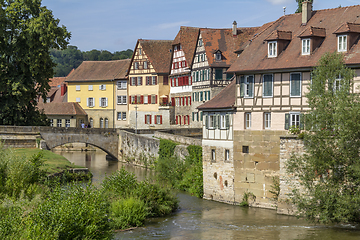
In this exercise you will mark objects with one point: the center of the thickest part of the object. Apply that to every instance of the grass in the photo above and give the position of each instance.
(53, 162)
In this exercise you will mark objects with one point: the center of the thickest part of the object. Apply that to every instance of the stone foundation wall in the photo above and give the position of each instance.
(288, 146)
(178, 138)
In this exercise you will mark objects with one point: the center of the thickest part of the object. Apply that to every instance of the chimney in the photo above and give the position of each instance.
(306, 11)
(234, 28)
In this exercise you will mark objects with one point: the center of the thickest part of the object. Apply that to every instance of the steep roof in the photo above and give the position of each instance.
(158, 53)
(98, 71)
(224, 99)
(223, 40)
(62, 108)
(254, 57)
(187, 37)
(56, 81)
(123, 69)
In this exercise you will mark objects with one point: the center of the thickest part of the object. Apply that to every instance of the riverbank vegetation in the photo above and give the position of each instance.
(31, 208)
(182, 174)
(329, 171)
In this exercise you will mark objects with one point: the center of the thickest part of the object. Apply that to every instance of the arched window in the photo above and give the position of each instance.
(106, 123)
(101, 123)
(91, 123)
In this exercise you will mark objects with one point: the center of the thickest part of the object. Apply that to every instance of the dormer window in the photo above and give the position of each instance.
(272, 49)
(305, 46)
(342, 43)
(218, 56)
(175, 48)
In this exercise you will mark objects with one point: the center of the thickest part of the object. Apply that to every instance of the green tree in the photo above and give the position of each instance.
(329, 171)
(299, 2)
(27, 32)
(66, 60)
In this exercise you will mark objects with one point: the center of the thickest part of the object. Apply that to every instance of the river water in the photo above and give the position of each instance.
(203, 219)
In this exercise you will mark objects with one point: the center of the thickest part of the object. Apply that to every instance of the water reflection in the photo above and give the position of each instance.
(202, 219)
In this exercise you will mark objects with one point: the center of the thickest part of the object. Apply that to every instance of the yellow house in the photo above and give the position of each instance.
(92, 85)
(149, 86)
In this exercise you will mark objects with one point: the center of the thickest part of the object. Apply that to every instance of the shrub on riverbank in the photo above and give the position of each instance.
(187, 174)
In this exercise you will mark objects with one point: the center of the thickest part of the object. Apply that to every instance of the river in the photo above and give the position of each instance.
(203, 219)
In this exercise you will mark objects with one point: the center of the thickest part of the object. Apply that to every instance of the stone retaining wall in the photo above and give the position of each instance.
(178, 138)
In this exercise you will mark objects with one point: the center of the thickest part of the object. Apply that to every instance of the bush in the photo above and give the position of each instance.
(74, 212)
(10, 222)
(120, 183)
(126, 213)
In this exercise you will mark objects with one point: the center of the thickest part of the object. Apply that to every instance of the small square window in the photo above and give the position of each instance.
(77, 87)
(213, 155)
(245, 149)
(78, 99)
(305, 46)
(90, 87)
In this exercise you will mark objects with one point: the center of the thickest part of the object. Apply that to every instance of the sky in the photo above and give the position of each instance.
(116, 25)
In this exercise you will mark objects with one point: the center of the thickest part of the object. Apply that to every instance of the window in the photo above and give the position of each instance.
(48, 99)
(51, 122)
(124, 116)
(218, 56)
(306, 46)
(139, 81)
(140, 51)
(247, 120)
(245, 149)
(247, 86)
(103, 102)
(227, 155)
(268, 85)
(133, 81)
(154, 80)
(121, 85)
(119, 114)
(90, 87)
(121, 99)
(78, 99)
(342, 43)
(267, 120)
(213, 154)
(295, 85)
(102, 87)
(222, 121)
(101, 123)
(146, 98)
(91, 102)
(337, 84)
(145, 65)
(77, 87)
(153, 99)
(218, 74)
(91, 122)
(229, 76)
(272, 49)
(158, 119)
(165, 80)
(67, 122)
(59, 122)
(147, 119)
(295, 119)
(200, 43)
(133, 100)
(211, 121)
(136, 65)
(106, 123)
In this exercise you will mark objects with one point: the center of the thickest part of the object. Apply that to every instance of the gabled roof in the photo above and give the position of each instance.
(62, 108)
(159, 54)
(279, 35)
(254, 57)
(224, 99)
(313, 32)
(224, 41)
(348, 28)
(98, 71)
(56, 81)
(187, 37)
(124, 69)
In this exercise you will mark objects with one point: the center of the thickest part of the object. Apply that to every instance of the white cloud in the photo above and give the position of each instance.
(275, 2)
(171, 25)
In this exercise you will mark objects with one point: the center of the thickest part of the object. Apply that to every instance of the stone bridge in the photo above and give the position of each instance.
(105, 139)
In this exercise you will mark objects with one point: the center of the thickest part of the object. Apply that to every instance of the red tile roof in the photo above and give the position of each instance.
(224, 99)
(279, 35)
(223, 40)
(62, 108)
(159, 54)
(348, 27)
(99, 71)
(56, 81)
(187, 37)
(254, 57)
(313, 32)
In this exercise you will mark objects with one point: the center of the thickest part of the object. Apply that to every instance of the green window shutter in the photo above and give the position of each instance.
(267, 85)
(206, 121)
(295, 84)
(251, 86)
(201, 116)
(302, 121)
(287, 121)
(193, 117)
(218, 121)
(227, 119)
(208, 95)
(242, 86)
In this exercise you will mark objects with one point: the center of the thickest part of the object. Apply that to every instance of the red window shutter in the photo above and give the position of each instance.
(155, 120)
(150, 119)
(184, 120)
(179, 120)
(187, 101)
(160, 119)
(173, 101)
(185, 63)
(149, 99)
(171, 83)
(141, 81)
(142, 99)
(145, 119)
(190, 80)
(176, 120)
(130, 99)
(187, 80)
(182, 81)
(188, 118)
(155, 99)
(183, 100)
(155, 80)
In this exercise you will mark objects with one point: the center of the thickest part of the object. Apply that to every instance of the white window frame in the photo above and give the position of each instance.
(119, 116)
(123, 116)
(227, 155)
(139, 81)
(121, 99)
(59, 122)
(247, 86)
(67, 122)
(158, 119)
(153, 80)
(300, 84)
(247, 120)
(305, 46)
(106, 123)
(272, 86)
(218, 56)
(222, 121)
(103, 102)
(267, 120)
(136, 65)
(211, 120)
(51, 122)
(90, 87)
(101, 123)
(91, 102)
(133, 81)
(78, 99)
(121, 85)
(77, 88)
(337, 84)
(145, 65)
(342, 43)
(102, 87)
(294, 119)
(272, 49)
